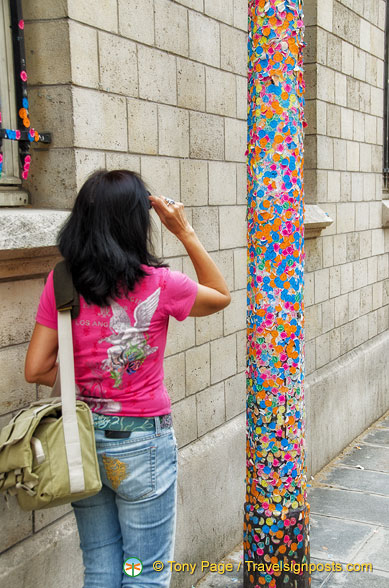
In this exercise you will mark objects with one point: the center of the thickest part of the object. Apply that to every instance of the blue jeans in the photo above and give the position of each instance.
(134, 514)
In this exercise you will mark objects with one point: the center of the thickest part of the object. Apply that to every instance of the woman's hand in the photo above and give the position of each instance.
(172, 216)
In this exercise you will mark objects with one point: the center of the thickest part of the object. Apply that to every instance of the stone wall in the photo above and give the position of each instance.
(159, 87)
(346, 280)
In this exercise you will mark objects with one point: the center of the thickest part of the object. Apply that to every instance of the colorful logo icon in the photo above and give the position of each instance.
(133, 566)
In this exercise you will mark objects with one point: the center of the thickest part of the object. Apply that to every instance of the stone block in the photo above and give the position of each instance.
(353, 162)
(233, 50)
(345, 217)
(377, 242)
(241, 183)
(340, 154)
(118, 65)
(375, 215)
(47, 52)
(366, 299)
(241, 97)
(340, 253)
(373, 326)
(313, 322)
(205, 223)
(87, 161)
(194, 182)
(383, 267)
(222, 183)
(198, 374)
(380, 294)
(233, 226)
(204, 39)
(333, 179)
(220, 92)
(83, 55)
(235, 395)
(347, 58)
(34, 9)
(340, 89)
(334, 281)
(18, 305)
(122, 161)
(310, 357)
(101, 14)
(241, 343)
(359, 64)
(322, 350)
(365, 97)
(347, 337)
(325, 152)
(326, 83)
(322, 285)
(347, 123)
(377, 101)
(309, 289)
(354, 301)
(240, 268)
(15, 393)
(328, 251)
(346, 278)
(220, 10)
(357, 191)
(360, 273)
(223, 358)
(353, 93)
(171, 17)
(45, 517)
(324, 14)
(49, 108)
(162, 176)
(157, 75)
(334, 52)
(328, 315)
(333, 120)
(370, 129)
(142, 126)
(209, 327)
(346, 24)
(362, 216)
(240, 15)
(16, 524)
(190, 84)
(377, 42)
(174, 376)
(359, 126)
(365, 244)
(185, 420)
(210, 408)
(51, 181)
(173, 131)
(236, 139)
(314, 255)
(235, 313)
(99, 120)
(181, 335)
(361, 330)
(136, 20)
(341, 310)
(206, 136)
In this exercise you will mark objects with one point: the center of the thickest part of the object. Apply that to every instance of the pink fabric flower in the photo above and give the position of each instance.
(23, 75)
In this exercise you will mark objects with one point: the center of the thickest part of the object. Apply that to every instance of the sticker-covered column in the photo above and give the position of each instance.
(276, 517)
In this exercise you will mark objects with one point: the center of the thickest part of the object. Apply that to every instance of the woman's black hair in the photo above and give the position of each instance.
(107, 236)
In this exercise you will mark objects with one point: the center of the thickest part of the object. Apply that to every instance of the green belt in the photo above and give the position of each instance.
(129, 423)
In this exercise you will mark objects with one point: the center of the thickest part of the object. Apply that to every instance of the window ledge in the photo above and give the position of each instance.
(316, 219)
(28, 241)
(13, 196)
(385, 214)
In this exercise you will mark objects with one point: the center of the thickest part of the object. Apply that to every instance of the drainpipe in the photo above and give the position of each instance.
(276, 517)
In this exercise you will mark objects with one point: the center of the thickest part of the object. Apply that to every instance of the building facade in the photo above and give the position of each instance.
(159, 87)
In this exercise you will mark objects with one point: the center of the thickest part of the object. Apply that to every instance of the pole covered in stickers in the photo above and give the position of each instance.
(276, 517)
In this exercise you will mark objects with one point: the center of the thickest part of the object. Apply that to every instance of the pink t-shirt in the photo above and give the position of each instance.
(119, 349)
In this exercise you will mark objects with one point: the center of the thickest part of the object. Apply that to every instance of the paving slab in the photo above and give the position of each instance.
(370, 457)
(378, 437)
(375, 550)
(355, 479)
(356, 580)
(350, 505)
(336, 539)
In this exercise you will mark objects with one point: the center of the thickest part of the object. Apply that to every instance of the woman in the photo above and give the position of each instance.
(126, 298)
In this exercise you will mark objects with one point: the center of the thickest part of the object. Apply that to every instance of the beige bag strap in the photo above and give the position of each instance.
(68, 395)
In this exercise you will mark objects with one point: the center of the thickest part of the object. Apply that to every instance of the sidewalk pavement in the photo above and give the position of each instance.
(349, 517)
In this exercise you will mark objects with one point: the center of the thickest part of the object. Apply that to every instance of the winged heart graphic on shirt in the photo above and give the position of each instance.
(129, 344)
